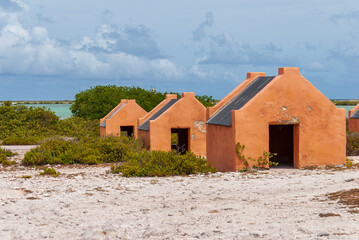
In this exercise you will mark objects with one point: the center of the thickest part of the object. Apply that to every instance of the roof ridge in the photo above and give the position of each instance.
(224, 115)
(146, 125)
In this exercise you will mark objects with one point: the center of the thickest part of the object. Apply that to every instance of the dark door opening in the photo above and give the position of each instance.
(127, 131)
(281, 143)
(179, 140)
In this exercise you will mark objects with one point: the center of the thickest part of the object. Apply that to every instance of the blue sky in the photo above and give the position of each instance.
(54, 49)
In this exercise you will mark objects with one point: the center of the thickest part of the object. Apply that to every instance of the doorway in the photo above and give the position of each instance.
(127, 131)
(281, 142)
(179, 140)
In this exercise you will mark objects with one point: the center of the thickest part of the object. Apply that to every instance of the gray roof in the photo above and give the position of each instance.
(224, 115)
(355, 114)
(103, 124)
(146, 125)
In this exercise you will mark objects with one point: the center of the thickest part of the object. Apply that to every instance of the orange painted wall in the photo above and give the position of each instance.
(319, 127)
(126, 116)
(221, 152)
(353, 123)
(187, 112)
(145, 135)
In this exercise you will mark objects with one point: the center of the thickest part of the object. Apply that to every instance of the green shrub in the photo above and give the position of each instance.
(352, 144)
(21, 125)
(4, 154)
(50, 171)
(96, 102)
(159, 163)
(345, 102)
(78, 127)
(86, 151)
(249, 162)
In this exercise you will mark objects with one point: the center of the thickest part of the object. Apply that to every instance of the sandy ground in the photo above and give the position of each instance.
(88, 203)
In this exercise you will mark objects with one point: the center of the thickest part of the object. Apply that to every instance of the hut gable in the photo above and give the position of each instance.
(353, 120)
(224, 115)
(122, 119)
(355, 114)
(146, 125)
(183, 117)
(111, 114)
(284, 114)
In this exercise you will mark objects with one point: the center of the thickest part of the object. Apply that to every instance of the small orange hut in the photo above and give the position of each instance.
(122, 120)
(283, 114)
(353, 120)
(182, 120)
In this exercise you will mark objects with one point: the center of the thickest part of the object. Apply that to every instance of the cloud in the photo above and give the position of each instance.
(346, 54)
(308, 46)
(353, 15)
(31, 51)
(197, 71)
(13, 5)
(316, 67)
(126, 52)
(132, 39)
(225, 50)
(200, 33)
(43, 18)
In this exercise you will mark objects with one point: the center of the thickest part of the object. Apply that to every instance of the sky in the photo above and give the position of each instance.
(51, 50)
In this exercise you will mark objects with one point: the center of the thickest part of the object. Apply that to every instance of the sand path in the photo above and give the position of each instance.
(87, 203)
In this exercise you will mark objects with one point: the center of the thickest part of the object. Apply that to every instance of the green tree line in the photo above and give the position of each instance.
(96, 102)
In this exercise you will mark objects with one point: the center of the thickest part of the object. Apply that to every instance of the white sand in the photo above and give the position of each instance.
(87, 203)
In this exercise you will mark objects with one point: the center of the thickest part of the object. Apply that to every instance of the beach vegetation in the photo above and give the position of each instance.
(21, 125)
(352, 144)
(345, 102)
(96, 102)
(85, 151)
(249, 162)
(147, 163)
(4, 155)
(50, 171)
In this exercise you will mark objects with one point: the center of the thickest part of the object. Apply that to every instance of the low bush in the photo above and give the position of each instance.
(25, 125)
(4, 154)
(85, 151)
(345, 102)
(78, 127)
(21, 125)
(352, 144)
(49, 171)
(159, 163)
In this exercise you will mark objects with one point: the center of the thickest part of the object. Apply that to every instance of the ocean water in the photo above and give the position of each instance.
(61, 110)
(346, 107)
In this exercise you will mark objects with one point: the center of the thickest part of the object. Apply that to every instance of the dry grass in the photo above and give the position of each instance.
(324, 215)
(348, 198)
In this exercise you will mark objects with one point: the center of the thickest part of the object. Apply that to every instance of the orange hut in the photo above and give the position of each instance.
(353, 119)
(182, 120)
(283, 114)
(122, 120)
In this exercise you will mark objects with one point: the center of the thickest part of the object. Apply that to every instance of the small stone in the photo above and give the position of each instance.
(323, 234)
(350, 180)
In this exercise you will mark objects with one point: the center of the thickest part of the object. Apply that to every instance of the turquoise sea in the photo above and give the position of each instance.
(347, 107)
(63, 110)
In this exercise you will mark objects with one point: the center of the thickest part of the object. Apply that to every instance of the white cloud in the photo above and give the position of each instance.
(316, 67)
(200, 33)
(115, 53)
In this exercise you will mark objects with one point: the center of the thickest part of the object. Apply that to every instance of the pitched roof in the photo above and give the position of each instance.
(224, 115)
(355, 114)
(146, 125)
(103, 124)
